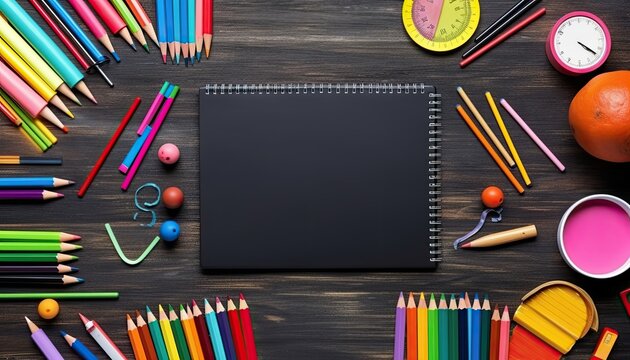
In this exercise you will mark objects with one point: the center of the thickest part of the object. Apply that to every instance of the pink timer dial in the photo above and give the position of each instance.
(578, 43)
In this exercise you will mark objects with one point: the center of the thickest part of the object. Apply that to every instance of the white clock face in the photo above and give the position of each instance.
(580, 42)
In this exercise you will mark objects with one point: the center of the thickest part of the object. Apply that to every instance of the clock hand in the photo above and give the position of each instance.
(587, 48)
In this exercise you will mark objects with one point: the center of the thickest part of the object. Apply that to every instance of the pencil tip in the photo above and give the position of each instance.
(241, 297)
(465, 246)
(148, 309)
(83, 318)
(194, 303)
(27, 319)
(133, 46)
(115, 56)
(63, 333)
(80, 280)
(74, 269)
(146, 47)
(164, 59)
(65, 129)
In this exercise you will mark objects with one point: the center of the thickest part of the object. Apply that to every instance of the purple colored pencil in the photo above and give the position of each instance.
(161, 95)
(399, 334)
(43, 342)
(29, 195)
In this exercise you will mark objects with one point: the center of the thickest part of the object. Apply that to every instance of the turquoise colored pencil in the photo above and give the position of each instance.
(486, 315)
(177, 31)
(156, 336)
(475, 329)
(215, 333)
(453, 331)
(434, 343)
(443, 323)
(191, 30)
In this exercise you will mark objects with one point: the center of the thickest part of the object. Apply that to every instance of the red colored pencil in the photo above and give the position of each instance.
(248, 331)
(202, 332)
(145, 337)
(501, 38)
(108, 148)
(237, 332)
(207, 25)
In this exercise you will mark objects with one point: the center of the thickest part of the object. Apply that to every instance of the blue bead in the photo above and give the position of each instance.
(169, 231)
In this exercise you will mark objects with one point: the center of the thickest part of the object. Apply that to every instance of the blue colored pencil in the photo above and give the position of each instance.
(469, 333)
(215, 333)
(177, 31)
(183, 34)
(475, 329)
(160, 14)
(170, 27)
(191, 30)
(226, 333)
(78, 347)
(463, 328)
(443, 328)
(133, 152)
(33, 183)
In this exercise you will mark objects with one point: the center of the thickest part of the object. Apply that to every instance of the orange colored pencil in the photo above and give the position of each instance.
(489, 149)
(190, 334)
(248, 331)
(495, 330)
(237, 332)
(412, 329)
(134, 338)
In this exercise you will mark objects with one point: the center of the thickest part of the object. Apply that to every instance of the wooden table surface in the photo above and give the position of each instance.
(321, 315)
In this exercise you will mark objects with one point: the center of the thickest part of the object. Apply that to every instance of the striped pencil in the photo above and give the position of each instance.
(443, 328)
(156, 336)
(202, 332)
(37, 269)
(78, 347)
(399, 329)
(101, 337)
(453, 330)
(29, 195)
(29, 160)
(36, 236)
(6, 246)
(43, 342)
(475, 329)
(495, 329)
(145, 337)
(39, 280)
(486, 314)
(178, 334)
(213, 330)
(504, 335)
(462, 312)
(434, 342)
(167, 334)
(423, 329)
(248, 330)
(412, 328)
(36, 257)
(224, 327)
(236, 329)
(134, 339)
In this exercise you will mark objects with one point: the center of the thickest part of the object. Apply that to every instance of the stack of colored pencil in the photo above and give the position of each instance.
(18, 247)
(188, 333)
(446, 329)
(31, 188)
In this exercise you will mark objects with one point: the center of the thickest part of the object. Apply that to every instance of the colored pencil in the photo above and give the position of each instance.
(490, 150)
(131, 22)
(108, 148)
(9, 112)
(499, 28)
(33, 182)
(134, 339)
(26, 122)
(191, 30)
(224, 328)
(486, 314)
(423, 329)
(462, 312)
(453, 329)
(433, 320)
(29, 195)
(28, 99)
(202, 331)
(236, 329)
(95, 26)
(36, 257)
(500, 20)
(177, 18)
(38, 246)
(188, 334)
(145, 337)
(40, 280)
(532, 135)
(113, 21)
(248, 330)
(160, 14)
(44, 45)
(143, 19)
(78, 347)
(31, 77)
(170, 27)
(485, 126)
(504, 335)
(153, 109)
(495, 329)
(43, 342)
(44, 130)
(469, 329)
(412, 328)
(37, 269)
(183, 29)
(214, 331)
(504, 36)
(443, 329)
(475, 329)
(101, 337)
(198, 28)
(36, 236)
(168, 335)
(508, 139)
(178, 334)
(207, 25)
(147, 144)
(133, 152)
(29, 160)
(156, 334)
(58, 295)
(194, 335)
(30, 136)
(399, 329)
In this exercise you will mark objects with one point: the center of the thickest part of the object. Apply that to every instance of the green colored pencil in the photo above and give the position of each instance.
(434, 343)
(486, 315)
(38, 246)
(156, 336)
(36, 257)
(26, 119)
(36, 236)
(59, 295)
(178, 332)
(453, 330)
(443, 323)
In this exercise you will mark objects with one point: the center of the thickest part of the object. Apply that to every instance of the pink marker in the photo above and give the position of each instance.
(113, 21)
(28, 99)
(94, 25)
(532, 135)
(170, 98)
(103, 340)
(154, 108)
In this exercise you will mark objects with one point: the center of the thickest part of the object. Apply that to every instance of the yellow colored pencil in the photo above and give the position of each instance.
(167, 334)
(423, 329)
(485, 126)
(49, 135)
(508, 139)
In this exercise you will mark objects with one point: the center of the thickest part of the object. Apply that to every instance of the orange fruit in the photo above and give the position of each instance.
(599, 116)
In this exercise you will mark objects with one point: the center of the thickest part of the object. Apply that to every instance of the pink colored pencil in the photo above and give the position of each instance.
(154, 108)
(198, 28)
(532, 135)
(95, 26)
(504, 335)
(147, 144)
(113, 21)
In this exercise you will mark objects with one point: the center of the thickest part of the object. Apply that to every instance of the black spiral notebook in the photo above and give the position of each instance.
(321, 176)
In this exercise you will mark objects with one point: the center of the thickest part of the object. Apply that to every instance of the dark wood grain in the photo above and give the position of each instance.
(322, 315)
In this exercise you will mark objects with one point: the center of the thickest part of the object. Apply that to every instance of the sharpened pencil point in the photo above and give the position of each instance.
(240, 296)
(80, 280)
(146, 47)
(148, 309)
(164, 59)
(74, 269)
(198, 55)
(133, 46)
(65, 129)
(115, 56)
(63, 333)
(83, 319)
(465, 246)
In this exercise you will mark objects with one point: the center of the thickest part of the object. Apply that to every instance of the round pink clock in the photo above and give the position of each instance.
(578, 43)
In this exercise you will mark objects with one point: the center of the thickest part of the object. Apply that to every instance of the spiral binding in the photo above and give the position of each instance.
(435, 131)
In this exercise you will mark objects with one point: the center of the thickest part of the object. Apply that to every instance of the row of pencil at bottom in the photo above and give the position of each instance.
(450, 330)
